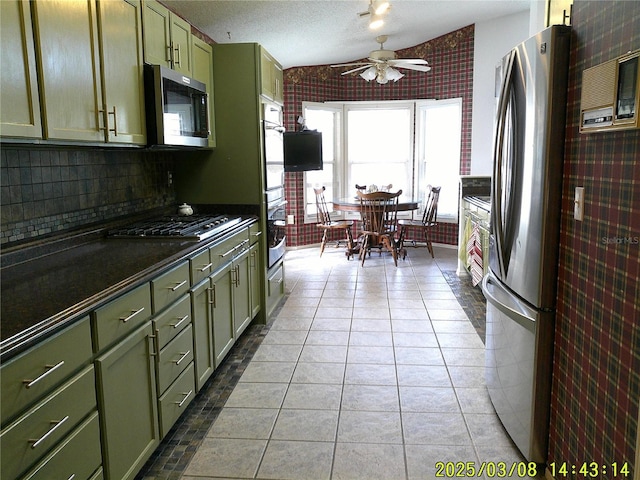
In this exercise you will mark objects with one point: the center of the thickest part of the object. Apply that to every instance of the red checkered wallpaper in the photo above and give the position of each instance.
(596, 376)
(451, 76)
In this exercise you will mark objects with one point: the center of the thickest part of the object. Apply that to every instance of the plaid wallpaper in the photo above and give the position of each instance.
(451, 76)
(596, 376)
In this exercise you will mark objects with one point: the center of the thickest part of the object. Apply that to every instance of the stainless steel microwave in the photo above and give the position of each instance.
(177, 108)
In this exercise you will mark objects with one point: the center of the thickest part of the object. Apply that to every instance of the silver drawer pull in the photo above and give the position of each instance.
(133, 314)
(55, 424)
(229, 252)
(257, 234)
(205, 267)
(184, 355)
(178, 285)
(50, 369)
(176, 325)
(73, 475)
(186, 395)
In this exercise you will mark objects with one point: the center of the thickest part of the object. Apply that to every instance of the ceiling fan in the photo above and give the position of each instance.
(380, 66)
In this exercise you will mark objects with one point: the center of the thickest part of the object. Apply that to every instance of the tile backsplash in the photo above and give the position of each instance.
(46, 190)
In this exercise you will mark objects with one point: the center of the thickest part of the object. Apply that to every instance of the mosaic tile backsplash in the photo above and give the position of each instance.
(51, 190)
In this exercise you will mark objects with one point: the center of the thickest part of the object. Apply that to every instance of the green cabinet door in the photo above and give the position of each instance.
(122, 70)
(202, 315)
(20, 113)
(181, 45)
(157, 34)
(255, 274)
(128, 404)
(222, 307)
(202, 55)
(69, 66)
(241, 293)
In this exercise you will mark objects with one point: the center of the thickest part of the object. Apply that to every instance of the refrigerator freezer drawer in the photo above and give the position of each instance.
(519, 353)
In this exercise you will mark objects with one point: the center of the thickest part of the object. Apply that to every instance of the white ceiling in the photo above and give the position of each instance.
(318, 32)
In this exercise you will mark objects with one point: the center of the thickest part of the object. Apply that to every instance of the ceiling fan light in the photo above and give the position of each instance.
(376, 22)
(380, 7)
(382, 77)
(393, 74)
(369, 74)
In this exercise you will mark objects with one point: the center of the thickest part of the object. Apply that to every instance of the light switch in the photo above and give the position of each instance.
(290, 219)
(578, 204)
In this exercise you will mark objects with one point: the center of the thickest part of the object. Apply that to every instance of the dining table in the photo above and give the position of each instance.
(352, 204)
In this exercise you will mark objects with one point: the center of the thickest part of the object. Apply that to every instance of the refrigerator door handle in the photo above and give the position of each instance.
(496, 210)
(508, 304)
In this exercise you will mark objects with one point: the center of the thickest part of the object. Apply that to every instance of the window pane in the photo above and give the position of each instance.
(379, 147)
(440, 134)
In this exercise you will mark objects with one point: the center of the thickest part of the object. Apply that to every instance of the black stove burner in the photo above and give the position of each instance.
(193, 227)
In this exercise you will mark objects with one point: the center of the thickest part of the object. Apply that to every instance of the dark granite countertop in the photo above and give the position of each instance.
(48, 287)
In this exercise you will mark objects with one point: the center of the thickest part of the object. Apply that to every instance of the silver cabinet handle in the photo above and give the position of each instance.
(73, 475)
(55, 424)
(257, 234)
(186, 395)
(184, 355)
(50, 369)
(178, 285)
(205, 267)
(212, 296)
(176, 325)
(133, 314)
(115, 121)
(229, 252)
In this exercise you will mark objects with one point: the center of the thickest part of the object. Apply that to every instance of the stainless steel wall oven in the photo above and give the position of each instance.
(274, 181)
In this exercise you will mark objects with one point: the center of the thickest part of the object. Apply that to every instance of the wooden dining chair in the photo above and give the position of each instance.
(327, 225)
(429, 221)
(379, 212)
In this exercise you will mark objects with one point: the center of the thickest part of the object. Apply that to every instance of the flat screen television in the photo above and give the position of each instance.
(302, 151)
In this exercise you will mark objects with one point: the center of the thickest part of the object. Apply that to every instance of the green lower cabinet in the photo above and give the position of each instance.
(127, 403)
(255, 274)
(222, 307)
(176, 399)
(202, 316)
(78, 457)
(241, 293)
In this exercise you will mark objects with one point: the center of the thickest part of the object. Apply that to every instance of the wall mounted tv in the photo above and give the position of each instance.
(302, 151)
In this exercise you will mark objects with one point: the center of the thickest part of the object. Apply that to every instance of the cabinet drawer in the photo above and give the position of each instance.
(254, 232)
(28, 377)
(224, 251)
(174, 358)
(170, 286)
(122, 316)
(176, 399)
(78, 457)
(173, 320)
(31, 436)
(200, 267)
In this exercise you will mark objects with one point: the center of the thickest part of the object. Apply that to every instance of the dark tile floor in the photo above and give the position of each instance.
(175, 452)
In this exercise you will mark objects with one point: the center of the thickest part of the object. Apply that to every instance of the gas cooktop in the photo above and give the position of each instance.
(191, 227)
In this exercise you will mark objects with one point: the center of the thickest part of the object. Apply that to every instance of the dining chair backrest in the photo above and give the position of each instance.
(430, 215)
(322, 214)
(379, 212)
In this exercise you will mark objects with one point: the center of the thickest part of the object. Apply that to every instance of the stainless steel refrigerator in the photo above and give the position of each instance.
(520, 287)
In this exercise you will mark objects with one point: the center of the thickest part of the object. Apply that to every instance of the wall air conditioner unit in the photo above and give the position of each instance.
(611, 95)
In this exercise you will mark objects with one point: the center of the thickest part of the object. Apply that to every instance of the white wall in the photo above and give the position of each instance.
(493, 40)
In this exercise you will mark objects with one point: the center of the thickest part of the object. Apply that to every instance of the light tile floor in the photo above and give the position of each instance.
(370, 372)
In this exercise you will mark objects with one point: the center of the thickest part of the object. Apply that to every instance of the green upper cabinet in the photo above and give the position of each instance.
(122, 70)
(91, 76)
(20, 113)
(271, 77)
(69, 69)
(202, 56)
(167, 38)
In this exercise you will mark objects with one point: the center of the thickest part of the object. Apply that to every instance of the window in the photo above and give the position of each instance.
(375, 143)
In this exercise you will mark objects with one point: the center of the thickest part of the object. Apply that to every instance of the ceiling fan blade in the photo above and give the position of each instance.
(414, 61)
(408, 66)
(349, 64)
(356, 69)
